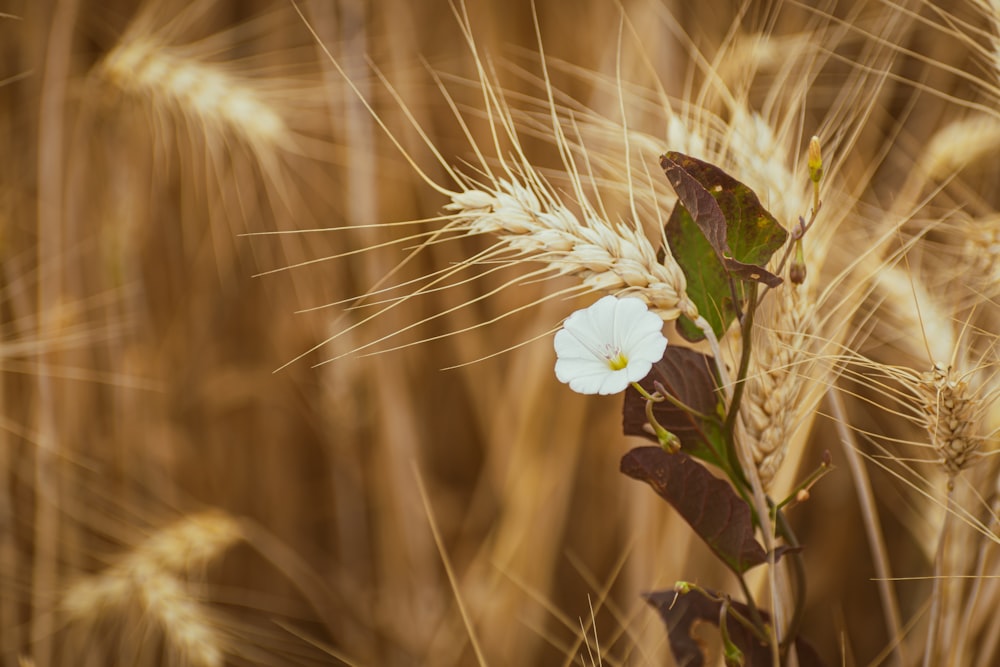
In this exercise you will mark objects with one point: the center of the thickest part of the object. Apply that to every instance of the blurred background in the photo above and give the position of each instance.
(166, 400)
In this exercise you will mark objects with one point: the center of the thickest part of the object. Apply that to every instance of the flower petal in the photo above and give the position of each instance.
(567, 369)
(572, 344)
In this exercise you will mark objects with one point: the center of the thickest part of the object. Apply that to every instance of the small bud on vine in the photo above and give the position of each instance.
(815, 161)
(797, 269)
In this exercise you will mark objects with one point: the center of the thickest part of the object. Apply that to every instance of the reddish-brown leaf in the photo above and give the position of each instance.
(717, 231)
(709, 505)
(742, 232)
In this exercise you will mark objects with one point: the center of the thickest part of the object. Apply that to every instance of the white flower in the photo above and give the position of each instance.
(604, 348)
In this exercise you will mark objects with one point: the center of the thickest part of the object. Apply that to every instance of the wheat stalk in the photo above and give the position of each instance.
(571, 234)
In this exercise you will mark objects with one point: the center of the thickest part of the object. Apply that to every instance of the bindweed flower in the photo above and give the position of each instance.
(603, 348)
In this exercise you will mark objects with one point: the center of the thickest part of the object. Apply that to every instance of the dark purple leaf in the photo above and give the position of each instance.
(709, 505)
(697, 199)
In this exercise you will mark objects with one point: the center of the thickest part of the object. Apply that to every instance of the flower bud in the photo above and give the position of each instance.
(668, 441)
(815, 161)
(797, 269)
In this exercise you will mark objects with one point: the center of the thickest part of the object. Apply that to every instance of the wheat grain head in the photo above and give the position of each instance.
(145, 585)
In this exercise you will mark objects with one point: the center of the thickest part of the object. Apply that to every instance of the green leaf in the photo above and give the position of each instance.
(707, 278)
(737, 238)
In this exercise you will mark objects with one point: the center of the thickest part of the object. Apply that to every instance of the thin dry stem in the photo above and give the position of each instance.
(873, 526)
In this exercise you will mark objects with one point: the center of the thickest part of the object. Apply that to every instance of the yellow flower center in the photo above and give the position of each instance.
(617, 361)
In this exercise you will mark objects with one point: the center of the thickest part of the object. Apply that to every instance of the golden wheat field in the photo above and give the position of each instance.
(278, 289)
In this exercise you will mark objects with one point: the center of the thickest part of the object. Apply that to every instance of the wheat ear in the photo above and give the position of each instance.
(146, 575)
(164, 600)
(980, 258)
(951, 412)
(617, 259)
(187, 86)
(190, 542)
(185, 622)
(773, 394)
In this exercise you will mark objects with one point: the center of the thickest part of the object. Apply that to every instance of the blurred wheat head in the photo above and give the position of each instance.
(378, 511)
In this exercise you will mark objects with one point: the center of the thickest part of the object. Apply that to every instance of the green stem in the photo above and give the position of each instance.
(670, 398)
(668, 440)
(645, 394)
(798, 233)
(758, 620)
(729, 427)
(755, 624)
